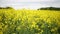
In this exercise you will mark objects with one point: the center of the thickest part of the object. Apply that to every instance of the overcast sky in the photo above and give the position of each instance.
(32, 4)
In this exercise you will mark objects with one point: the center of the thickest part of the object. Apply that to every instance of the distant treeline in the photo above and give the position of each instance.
(44, 8)
(49, 8)
(6, 8)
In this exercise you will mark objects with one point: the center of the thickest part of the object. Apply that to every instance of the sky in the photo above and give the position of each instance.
(29, 4)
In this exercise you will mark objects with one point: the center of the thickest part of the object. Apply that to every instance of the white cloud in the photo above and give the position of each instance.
(28, 0)
(38, 0)
(32, 4)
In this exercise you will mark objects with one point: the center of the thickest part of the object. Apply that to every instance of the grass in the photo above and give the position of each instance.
(29, 21)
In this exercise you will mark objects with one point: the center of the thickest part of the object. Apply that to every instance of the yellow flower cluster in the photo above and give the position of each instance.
(29, 21)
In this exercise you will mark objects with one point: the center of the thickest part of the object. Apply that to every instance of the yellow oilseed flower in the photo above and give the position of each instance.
(18, 28)
(33, 24)
(52, 30)
(41, 32)
(13, 33)
(1, 32)
(0, 18)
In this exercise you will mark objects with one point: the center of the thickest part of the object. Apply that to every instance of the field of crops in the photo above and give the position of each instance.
(29, 21)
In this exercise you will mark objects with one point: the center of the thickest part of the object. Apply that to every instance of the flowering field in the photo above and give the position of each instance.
(29, 21)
